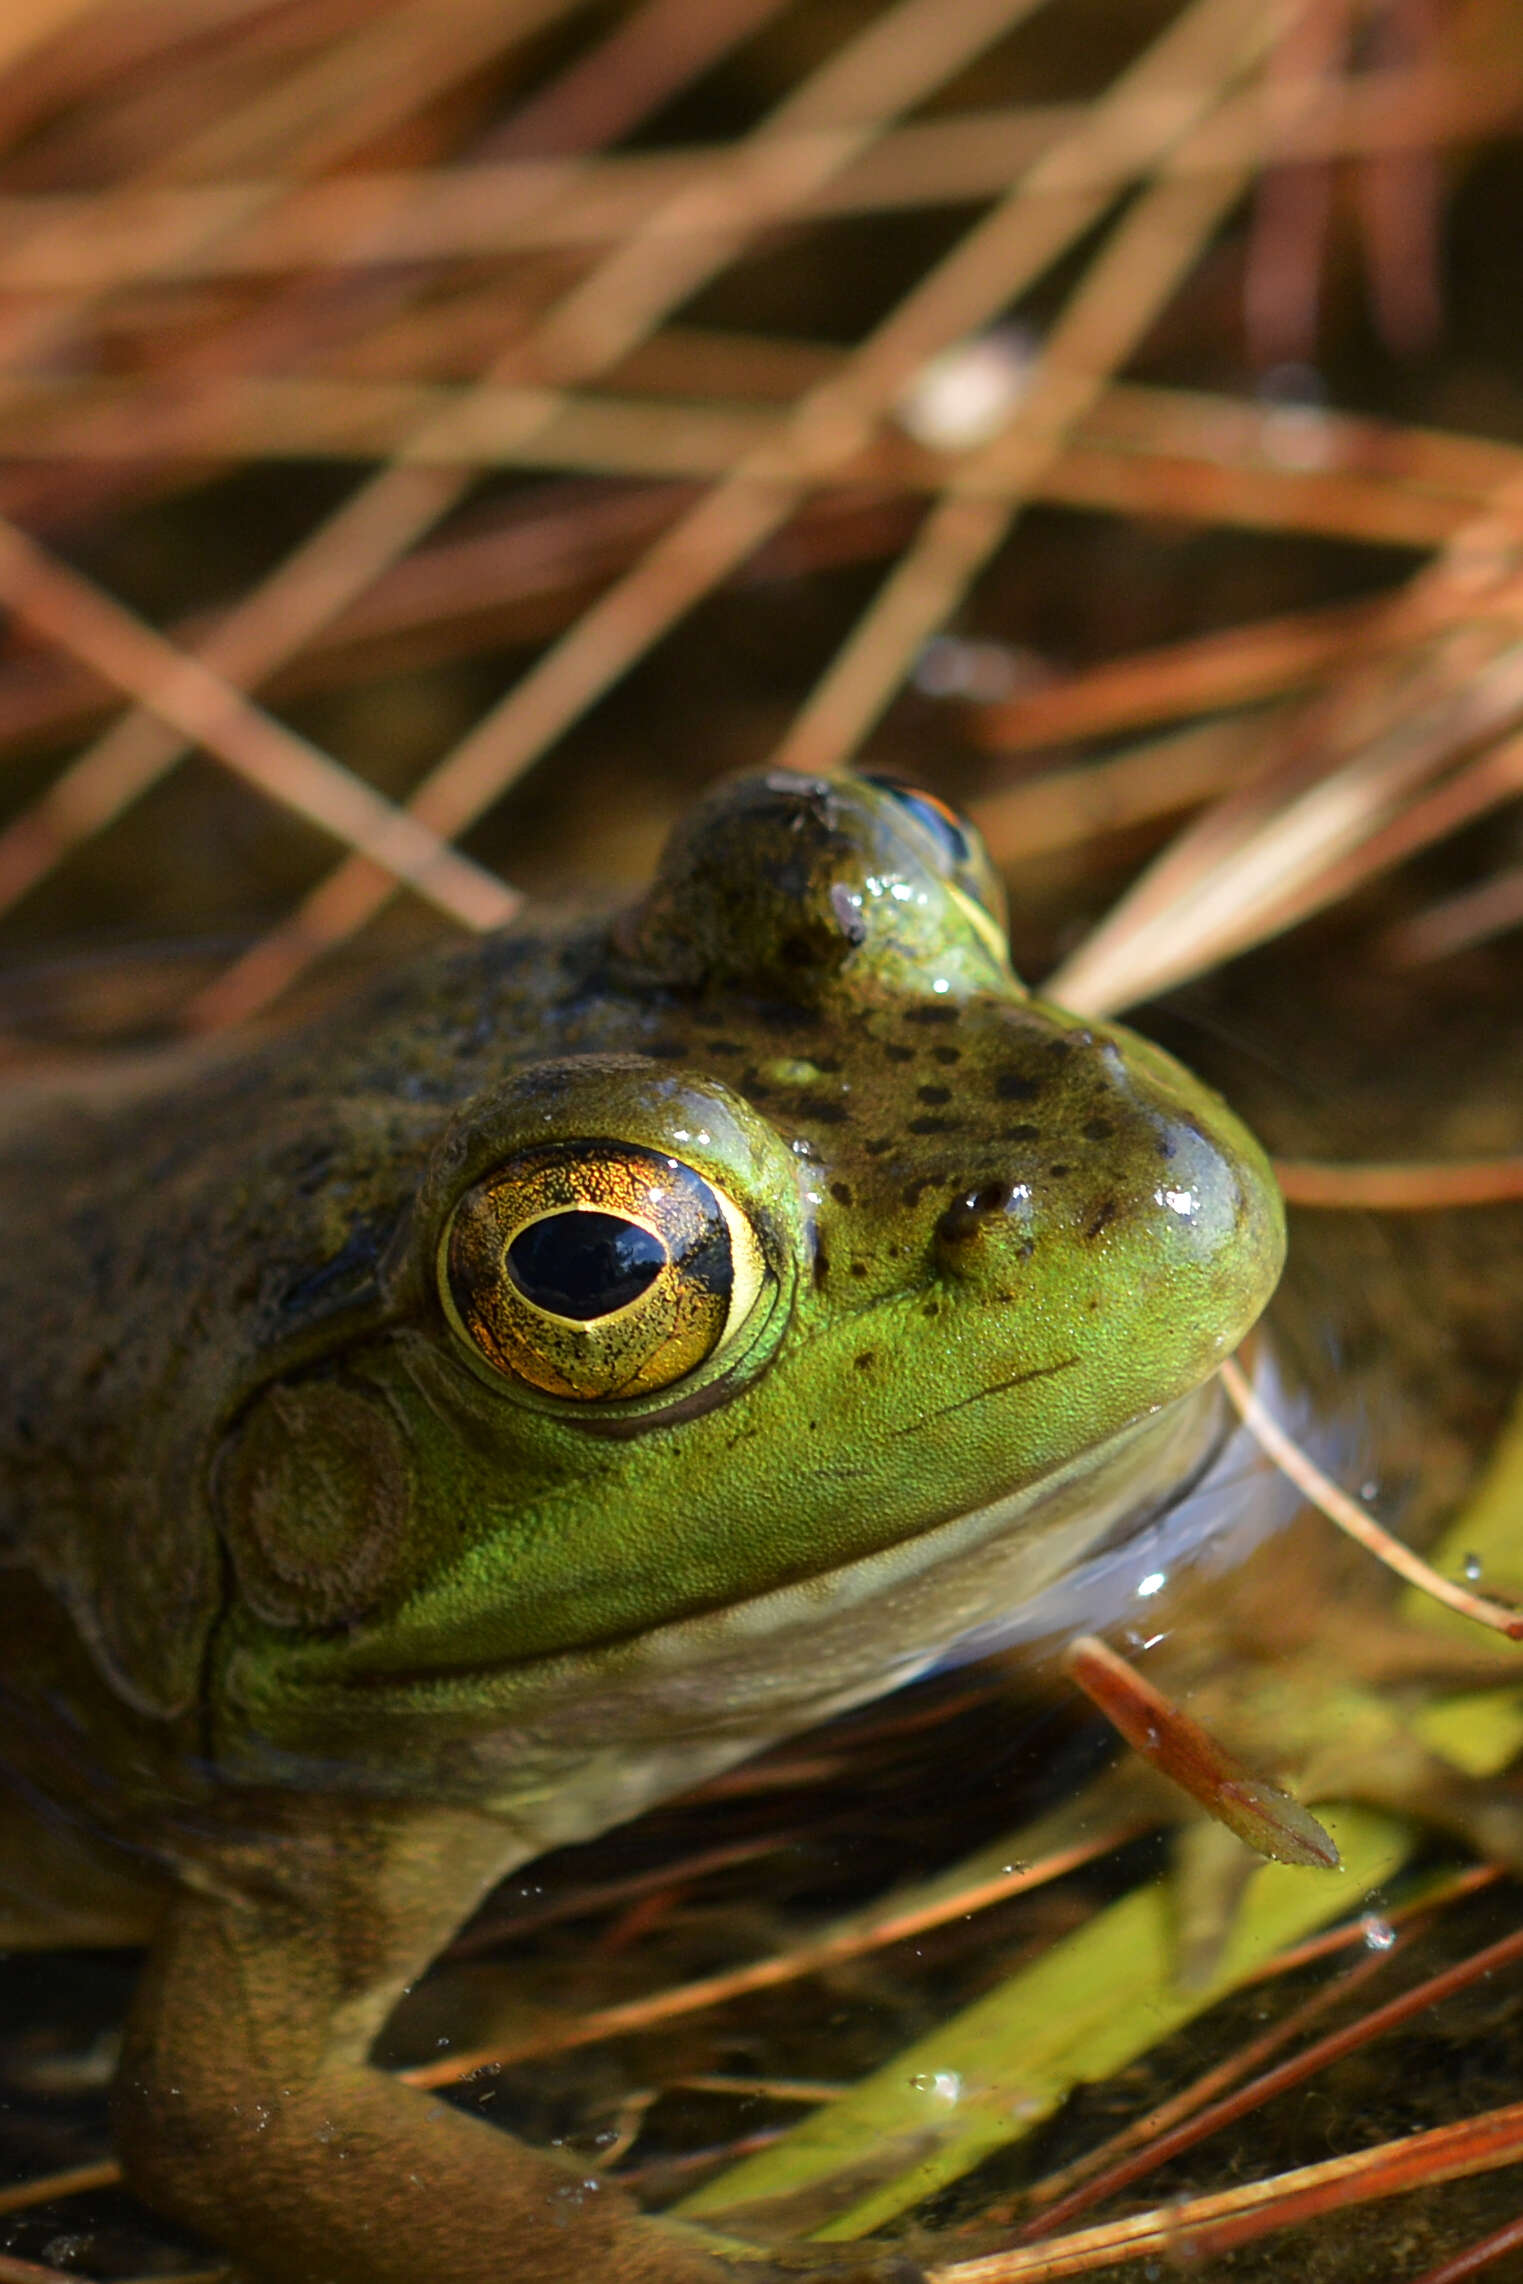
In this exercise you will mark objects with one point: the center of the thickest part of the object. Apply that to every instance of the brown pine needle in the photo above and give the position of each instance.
(1264, 1816)
(1473, 916)
(1001, 254)
(870, 1931)
(1350, 1517)
(1454, 1887)
(1126, 285)
(13, 2271)
(1421, 1187)
(1477, 2256)
(60, 242)
(1263, 879)
(898, 59)
(200, 706)
(1334, 2047)
(1103, 2171)
(38, 21)
(1200, 2228)
(76, 2181)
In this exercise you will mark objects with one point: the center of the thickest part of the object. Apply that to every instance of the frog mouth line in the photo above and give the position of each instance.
(979, 1396)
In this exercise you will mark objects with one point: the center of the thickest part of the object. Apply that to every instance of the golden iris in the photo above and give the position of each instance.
(598, 1270)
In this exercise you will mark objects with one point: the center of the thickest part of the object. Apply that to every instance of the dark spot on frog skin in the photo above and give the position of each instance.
(913, 1192)
(879, 1143)
(1021, 1134)
(932, 1015)
(811, 1113)
(893, 1053)
(867, 1359)
(859, 1268)
(841, 1192)
(1015, 1086)
(1097, 1130)
(934, 1126)
(784, 1016)
(1102, 1218)
(943, 1054)
(935, 1094)
(821, 1265)
(1058, 1171)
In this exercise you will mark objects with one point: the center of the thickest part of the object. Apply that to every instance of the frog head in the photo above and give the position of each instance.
(797, 1291)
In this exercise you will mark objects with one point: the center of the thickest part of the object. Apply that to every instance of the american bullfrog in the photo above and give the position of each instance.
(436, 1436)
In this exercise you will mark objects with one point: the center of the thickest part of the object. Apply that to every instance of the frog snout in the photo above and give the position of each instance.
(1169, 1203)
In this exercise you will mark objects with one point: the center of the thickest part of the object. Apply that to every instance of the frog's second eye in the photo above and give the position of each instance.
(964, 860)
(599, 1270)
(938, 817)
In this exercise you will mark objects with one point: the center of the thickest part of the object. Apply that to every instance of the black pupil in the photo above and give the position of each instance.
(584, 1264)
(938, 821)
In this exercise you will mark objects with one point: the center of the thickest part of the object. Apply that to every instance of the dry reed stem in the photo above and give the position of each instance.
(992, 263)
(1254, 862)
(14, 2271)
(1238, 666)
(1063, 807)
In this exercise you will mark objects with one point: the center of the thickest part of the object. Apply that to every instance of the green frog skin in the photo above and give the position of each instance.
(434, 1437)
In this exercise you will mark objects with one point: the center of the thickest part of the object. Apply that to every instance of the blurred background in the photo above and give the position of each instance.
(438, 437)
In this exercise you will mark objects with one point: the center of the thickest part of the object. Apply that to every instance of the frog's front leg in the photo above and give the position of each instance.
(246, 2106)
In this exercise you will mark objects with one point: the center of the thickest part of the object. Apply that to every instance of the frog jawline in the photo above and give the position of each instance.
(561, 1747)
(565, 1745)
(1212, 1522)
(1004, 1553)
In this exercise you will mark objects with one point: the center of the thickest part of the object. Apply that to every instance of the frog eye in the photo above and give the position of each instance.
(598, 1270)
(939, 818)
(964, 861)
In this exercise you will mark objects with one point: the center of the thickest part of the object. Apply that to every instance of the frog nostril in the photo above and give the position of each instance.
(966, 1217)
